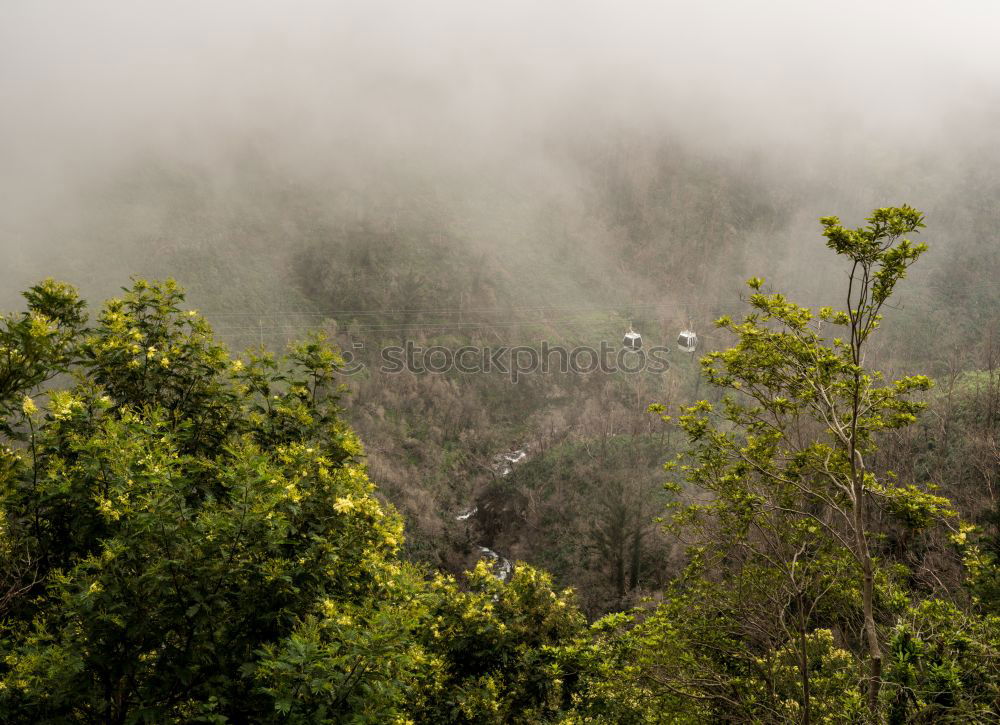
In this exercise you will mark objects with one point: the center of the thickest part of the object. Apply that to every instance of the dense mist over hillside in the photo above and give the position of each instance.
(128, 128)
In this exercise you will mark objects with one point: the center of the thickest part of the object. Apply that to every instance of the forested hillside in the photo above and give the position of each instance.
(650, 233)
(190, 536)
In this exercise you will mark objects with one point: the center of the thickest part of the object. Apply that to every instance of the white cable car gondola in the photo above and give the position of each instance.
(687, 341)
(632, 340)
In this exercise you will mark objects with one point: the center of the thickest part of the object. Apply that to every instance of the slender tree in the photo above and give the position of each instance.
(791, 444)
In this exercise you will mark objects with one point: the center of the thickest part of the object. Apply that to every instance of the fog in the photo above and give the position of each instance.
(102, 103)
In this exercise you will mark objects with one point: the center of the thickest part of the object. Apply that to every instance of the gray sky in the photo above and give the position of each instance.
(90, 80)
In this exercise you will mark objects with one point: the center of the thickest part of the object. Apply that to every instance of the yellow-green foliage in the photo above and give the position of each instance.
(185, 536)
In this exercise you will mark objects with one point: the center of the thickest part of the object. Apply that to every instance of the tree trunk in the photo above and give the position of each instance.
(803, 661)
(874, 649)
(867, 595)
(867, 599)
(858, 488)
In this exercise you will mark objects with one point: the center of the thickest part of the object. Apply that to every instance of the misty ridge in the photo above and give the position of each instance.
(443, 362)
(516, 131)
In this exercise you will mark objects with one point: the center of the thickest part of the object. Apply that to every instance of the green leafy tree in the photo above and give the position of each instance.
(174, 516)
(486, 651)
(730, 648)
(511, 652)
(36, 345)
(787, 455)
(943, 665)
(190, 537)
